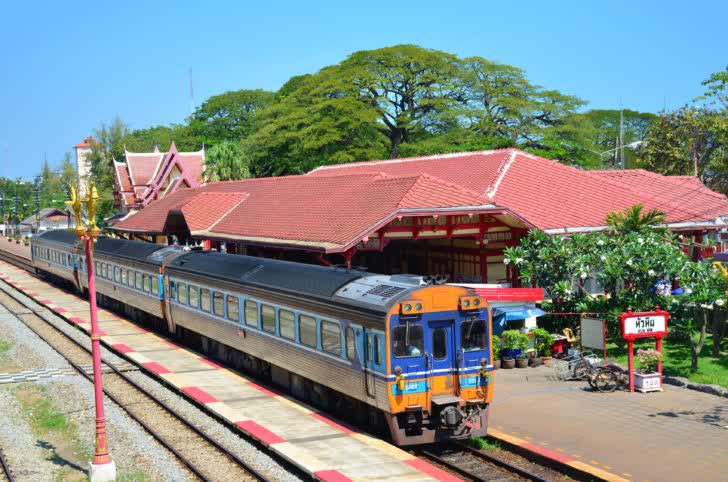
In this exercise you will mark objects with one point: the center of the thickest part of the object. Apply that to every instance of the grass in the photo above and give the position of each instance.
(5, 346)
(482, 443)
(55, 432)
(676, 360)
(134, 476)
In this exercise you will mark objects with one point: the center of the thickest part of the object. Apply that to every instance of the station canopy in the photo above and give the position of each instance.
(332, 208)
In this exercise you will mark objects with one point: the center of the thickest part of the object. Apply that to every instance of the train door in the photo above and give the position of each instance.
(442, 357)
(371, 359)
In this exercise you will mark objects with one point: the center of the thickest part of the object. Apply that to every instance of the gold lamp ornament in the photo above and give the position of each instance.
(92, 199)
(76, 205)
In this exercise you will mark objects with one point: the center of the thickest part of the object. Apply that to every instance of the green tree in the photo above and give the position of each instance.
(634, 220)
(226, 161)
(145, 140)
(689, 141)
(109, 146)
(717, 90)
(67, 172)
(228, 116)
(501, 102)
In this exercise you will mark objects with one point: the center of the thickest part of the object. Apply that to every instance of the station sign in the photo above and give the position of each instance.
(644, 325)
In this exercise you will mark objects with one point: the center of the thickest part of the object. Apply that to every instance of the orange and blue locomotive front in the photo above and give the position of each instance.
(440, 365)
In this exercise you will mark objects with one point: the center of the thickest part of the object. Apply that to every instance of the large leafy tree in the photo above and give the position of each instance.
(226, 161)
(109, 145)
(228, 116)
(145, 140)
(689, 141)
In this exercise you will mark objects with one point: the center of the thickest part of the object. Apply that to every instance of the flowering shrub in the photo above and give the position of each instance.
(648, 360)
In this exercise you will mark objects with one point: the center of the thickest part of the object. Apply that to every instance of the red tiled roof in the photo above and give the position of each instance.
(336, 206)
(122, 176)
(193, 163)
(142, 166)
(206, 208)
(87, 142)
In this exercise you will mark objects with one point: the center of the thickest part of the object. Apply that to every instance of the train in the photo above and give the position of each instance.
(386, 351)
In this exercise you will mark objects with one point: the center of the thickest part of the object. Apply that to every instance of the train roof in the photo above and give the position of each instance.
(346, 287)
(61, 236)
(134, 250)
(302, 278)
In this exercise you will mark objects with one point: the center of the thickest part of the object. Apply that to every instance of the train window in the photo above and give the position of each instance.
(182, 293)
(287, 321)
(373, 347)
(218, 304)
(129, 278)
(439, 344)
(205, 299)
(350, 343)
(137, 280)
(194, 296)
(251, 313)
(307, 330)
(331, 337)
(173, 289)
(97, 268)
(69, 260)
(117, 274)
(155, 284)
(232, 308)
(408, 340)
(147, 283)
(268, 317)
(472, 335)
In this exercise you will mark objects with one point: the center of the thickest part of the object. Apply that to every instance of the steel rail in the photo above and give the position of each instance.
(253, 472)
(454, 467)
(502, 463)
(7, 471)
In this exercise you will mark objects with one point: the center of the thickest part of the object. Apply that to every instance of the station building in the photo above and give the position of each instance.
(445, 216)
(144, 177)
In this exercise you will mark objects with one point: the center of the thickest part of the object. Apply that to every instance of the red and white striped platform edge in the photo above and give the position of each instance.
(326, 448)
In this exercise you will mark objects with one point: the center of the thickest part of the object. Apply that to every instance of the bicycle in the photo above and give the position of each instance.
(599, 378)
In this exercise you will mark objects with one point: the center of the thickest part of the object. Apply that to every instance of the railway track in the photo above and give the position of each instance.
(477, 465)
(7, 473)
(204, 457)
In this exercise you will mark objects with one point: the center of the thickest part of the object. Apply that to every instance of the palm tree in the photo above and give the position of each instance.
(632, 220)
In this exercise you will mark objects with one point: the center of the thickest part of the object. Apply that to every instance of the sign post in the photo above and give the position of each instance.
(648, 324)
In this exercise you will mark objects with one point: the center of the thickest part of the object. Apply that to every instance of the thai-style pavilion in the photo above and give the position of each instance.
(448, 215)
(144, 177)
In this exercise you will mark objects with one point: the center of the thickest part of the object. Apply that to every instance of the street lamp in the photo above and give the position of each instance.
(102, 468)
(631, 145)
(2, 206)
(37, 203)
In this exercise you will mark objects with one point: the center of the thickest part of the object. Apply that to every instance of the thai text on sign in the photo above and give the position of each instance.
(644, 324)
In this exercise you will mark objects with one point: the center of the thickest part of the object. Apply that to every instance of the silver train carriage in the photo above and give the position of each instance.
(416, 358)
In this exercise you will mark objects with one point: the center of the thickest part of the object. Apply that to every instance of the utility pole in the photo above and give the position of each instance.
(621, 138)
(37, 203)
(192, 95)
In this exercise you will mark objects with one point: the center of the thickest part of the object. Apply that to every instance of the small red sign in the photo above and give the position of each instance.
(646, 324)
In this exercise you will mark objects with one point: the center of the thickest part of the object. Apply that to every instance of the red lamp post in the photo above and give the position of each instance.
(102, 467)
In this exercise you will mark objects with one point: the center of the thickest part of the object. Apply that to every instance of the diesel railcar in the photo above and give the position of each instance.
(386, 349)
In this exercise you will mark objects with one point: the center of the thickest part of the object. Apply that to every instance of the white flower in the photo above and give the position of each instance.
(519, 260)
(603, 258)
(629, 262)
(600, 242)
(688, 291)
(719, 302)
(707, 307)
(640, 240)
(583, 275)
(506, 261)
(674, 300)
(651, 272)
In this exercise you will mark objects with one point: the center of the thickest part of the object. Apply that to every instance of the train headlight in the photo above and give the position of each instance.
(418, 306)
(476, 302)
(398, 370)
(466, 303)
(484, 361)
(407, 308)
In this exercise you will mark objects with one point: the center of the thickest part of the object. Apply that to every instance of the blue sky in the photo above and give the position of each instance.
(67, 66)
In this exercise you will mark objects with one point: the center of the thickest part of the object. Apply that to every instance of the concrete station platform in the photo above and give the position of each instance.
(674, 435)
(317, 443)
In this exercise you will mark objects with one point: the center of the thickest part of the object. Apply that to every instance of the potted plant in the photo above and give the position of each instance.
(543, 342)
(496, 347)
(509, 342)
(646, 377)
(522, 347)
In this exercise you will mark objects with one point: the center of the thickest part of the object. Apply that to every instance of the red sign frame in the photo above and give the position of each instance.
(654, 334)
(659, 335)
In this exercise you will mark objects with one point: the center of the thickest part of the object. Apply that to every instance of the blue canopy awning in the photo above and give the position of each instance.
(510, 313)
